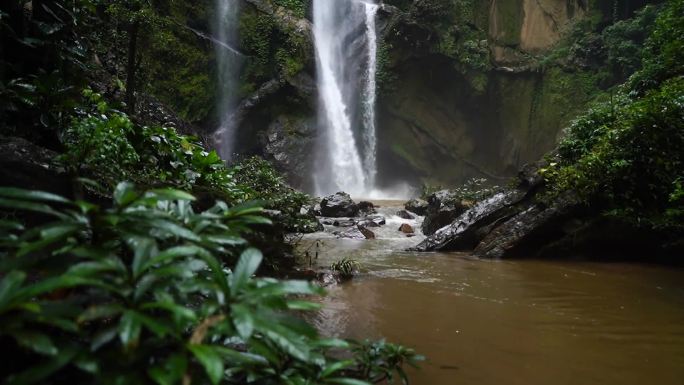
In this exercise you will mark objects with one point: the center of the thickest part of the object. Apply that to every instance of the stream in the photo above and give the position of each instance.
(487, 322)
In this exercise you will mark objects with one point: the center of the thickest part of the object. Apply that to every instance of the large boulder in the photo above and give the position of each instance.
(472, 226)
(339, 205)
(404, 214)
(443, 208)
(356, 232)
(366, 232)
(289, 144)
(526, 232)
(417, 206)
(373, 221)
(28, 166)
(367, 207)
(406, 228)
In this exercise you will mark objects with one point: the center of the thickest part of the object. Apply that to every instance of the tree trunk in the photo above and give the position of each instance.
(131, 66)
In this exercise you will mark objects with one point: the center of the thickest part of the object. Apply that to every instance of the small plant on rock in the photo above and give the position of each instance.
(345, 268)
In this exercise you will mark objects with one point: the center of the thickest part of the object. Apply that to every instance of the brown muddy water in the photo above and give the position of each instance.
(527, 322)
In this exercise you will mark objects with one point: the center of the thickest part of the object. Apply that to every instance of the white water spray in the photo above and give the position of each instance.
(229, 62)
(345, 40)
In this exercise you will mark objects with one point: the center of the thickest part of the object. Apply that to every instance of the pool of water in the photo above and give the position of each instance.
(508, 322)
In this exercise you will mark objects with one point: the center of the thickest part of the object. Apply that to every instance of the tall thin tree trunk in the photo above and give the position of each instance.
(131, 66)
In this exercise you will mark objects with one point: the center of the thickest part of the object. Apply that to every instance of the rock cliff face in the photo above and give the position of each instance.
(466, 88)
(435, 115)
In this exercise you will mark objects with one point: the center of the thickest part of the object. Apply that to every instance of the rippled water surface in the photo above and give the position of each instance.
(509, 322)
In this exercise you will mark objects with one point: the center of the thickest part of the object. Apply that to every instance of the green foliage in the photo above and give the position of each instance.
(624, 42)
(151, 292)
(262, 182)
(298, 7)
(381, 361)
(664, 54)
(607, 54)
(99, 143)
(256, 34)
(178, 70)
(675, 211)
(345, 268)
(105, 145)
(274, 49)
(452, 30)
(43, 63)
(628, 156)
(473, 190)
(625, 155)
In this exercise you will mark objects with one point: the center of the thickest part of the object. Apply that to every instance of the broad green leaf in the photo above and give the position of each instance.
(124, 194)
(402, 375)
(246, 209)
(336, 367)
(303, 305)
(130, 327)
(16, 193)
(243, 320)
(172, 195)
(346, 381)
(86, 269)
(172, 253)
(50, 285)
(30, 206)
(217, 273)
(103, 337)
(178, 311)
(225, 240)
(255, 220)
(332, 343)
(240, 358)
(249, 262)
(282, 288)
(100, 311)
(210, 360)
(171, 371)
(143, 249)
(49, 235)
(10, 225)
(87, 363)
(174, 229)
(288, 341)
(157, 327)
(38, 342)
(258, 346)
(9, 286)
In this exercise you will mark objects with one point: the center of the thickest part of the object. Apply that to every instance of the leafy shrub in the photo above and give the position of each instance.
(632, 161)
(625, 156)
(104, 144)
(473, 190)
(40, 79)
(624, 42)
(664, 54)
(296, 6)
(265, 184)
(345, 268)
(144, 293)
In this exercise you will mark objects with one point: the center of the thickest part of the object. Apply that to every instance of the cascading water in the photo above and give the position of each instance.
(345, 40)
(229, 62)
(370, 138)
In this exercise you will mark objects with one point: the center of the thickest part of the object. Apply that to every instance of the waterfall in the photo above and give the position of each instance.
(370, 139)
(345, 39)
(229, 62)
